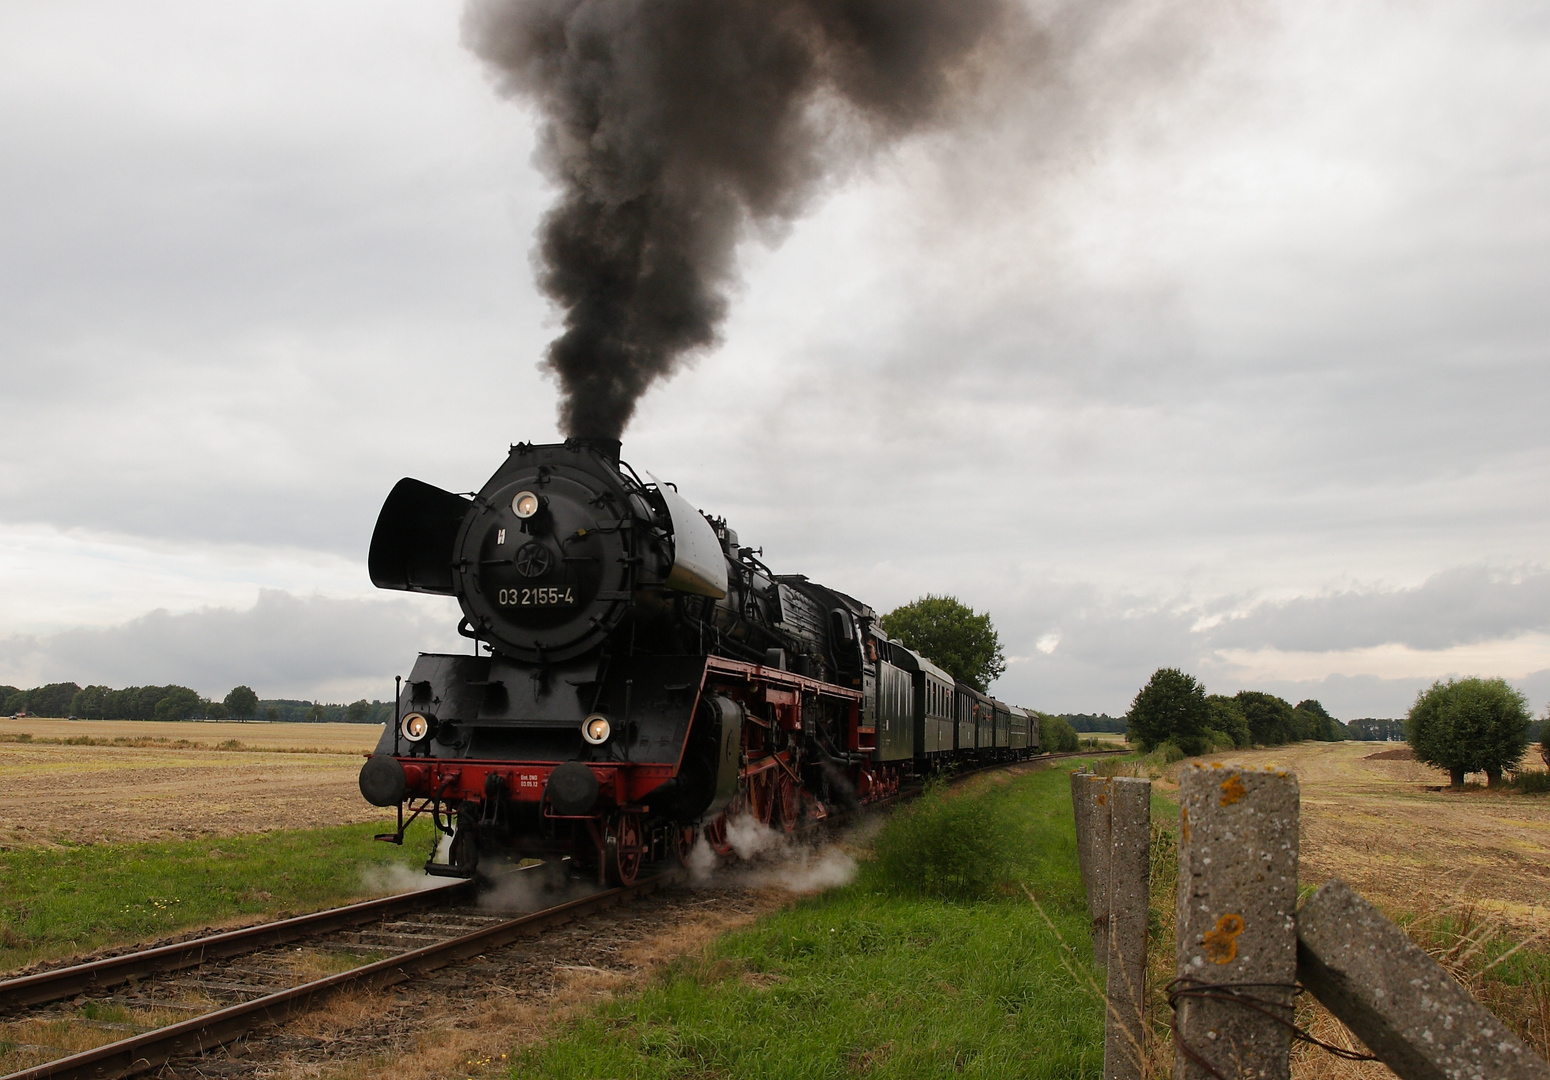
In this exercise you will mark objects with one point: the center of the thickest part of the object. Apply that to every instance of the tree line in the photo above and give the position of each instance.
(1174, 709)
(1369, 729)
(1090, 722)
(174, 702)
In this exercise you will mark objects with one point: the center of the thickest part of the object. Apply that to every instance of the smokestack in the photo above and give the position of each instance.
(670, 126)
(608, 448)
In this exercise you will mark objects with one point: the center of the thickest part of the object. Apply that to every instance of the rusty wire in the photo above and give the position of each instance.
(1236, 993)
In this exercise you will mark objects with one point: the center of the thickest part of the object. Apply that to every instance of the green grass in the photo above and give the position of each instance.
(59, 901)
(878, 980)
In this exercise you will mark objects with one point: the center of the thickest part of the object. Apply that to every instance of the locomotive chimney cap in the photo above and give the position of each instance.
(609, 448)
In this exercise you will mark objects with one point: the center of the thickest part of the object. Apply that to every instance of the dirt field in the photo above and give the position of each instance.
(88, 794)
(1373, 822)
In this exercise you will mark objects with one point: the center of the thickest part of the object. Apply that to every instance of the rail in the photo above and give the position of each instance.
(46, 986)
(204, 1033)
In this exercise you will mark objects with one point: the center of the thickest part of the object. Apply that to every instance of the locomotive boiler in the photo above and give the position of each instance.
(635, 677)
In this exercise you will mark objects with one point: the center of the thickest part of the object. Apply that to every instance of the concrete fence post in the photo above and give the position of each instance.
(1237, 928)
(1129, 872)
(1093, 820)
(1400, 1002)
(1079, 816)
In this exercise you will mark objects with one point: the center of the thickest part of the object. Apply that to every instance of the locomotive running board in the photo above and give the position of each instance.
(788, 680)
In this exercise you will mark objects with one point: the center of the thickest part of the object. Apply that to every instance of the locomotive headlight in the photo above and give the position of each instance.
(596, 729)
(414, 726)
(525, 505)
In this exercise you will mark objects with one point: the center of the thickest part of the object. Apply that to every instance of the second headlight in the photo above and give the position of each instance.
(596, 729)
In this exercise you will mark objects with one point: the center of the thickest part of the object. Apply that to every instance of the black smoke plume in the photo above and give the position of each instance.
(671, 126)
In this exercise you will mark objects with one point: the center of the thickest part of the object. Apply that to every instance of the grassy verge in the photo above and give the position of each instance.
(926, 969)
(60, 901)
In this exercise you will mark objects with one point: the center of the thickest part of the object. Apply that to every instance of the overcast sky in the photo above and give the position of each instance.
(1226, 349)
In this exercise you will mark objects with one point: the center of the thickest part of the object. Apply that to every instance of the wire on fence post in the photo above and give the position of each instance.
(1237, 925)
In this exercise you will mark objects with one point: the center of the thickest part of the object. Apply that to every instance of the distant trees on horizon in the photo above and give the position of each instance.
(1462, 725)
(174, 702)
(1090, 722)
(1174, 709)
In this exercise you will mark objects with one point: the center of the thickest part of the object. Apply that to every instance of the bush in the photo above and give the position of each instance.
(1165, 754)
(942, 846)
(1532, 783)
(1227, 717)
(1055, 735)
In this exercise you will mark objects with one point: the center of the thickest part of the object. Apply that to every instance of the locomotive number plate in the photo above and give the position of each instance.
(552, 596)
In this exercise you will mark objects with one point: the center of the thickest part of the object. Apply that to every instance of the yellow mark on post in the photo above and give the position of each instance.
(1222, 942)
(1233, 789)
(1184, 823)
(1103, 798)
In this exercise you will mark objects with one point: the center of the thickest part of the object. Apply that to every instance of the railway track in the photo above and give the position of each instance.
(189, 998)
(248, 979)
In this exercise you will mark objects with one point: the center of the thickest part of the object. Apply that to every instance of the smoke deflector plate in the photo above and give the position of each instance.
(699, 566)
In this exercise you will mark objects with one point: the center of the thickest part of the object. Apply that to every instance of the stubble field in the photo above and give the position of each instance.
(1370, 818)
(285, 776)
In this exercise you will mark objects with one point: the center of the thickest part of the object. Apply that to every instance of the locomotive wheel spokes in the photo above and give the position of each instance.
(788, 796)
(686, 836)
(761, 795)
(716, 833)
(625, 852)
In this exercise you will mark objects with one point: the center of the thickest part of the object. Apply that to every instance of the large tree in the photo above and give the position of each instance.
(1171, 707)
(1469, 725)
(91, 702)
(178, 703)
(52, 700)
(242, 703)
(1314, 722)
(1272, 721)
(955, 637)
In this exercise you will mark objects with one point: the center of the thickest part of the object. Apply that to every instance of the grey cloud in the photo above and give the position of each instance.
(1110, 643)
(1460, 606)
(240, 306)
(284, 645)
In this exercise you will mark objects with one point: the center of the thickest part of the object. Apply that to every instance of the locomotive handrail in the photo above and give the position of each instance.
(790, 679)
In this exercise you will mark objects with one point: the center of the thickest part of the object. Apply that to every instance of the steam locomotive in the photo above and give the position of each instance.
(636, 677)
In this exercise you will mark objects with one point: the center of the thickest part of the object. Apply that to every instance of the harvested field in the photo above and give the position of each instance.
(93, 794)
(336, 738)
(1370, 818)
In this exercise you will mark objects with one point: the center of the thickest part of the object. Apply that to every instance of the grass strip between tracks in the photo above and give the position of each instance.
(895, 975)
(55, 902)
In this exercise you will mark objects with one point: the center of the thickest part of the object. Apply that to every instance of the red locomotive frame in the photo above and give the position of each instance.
(769, 786)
